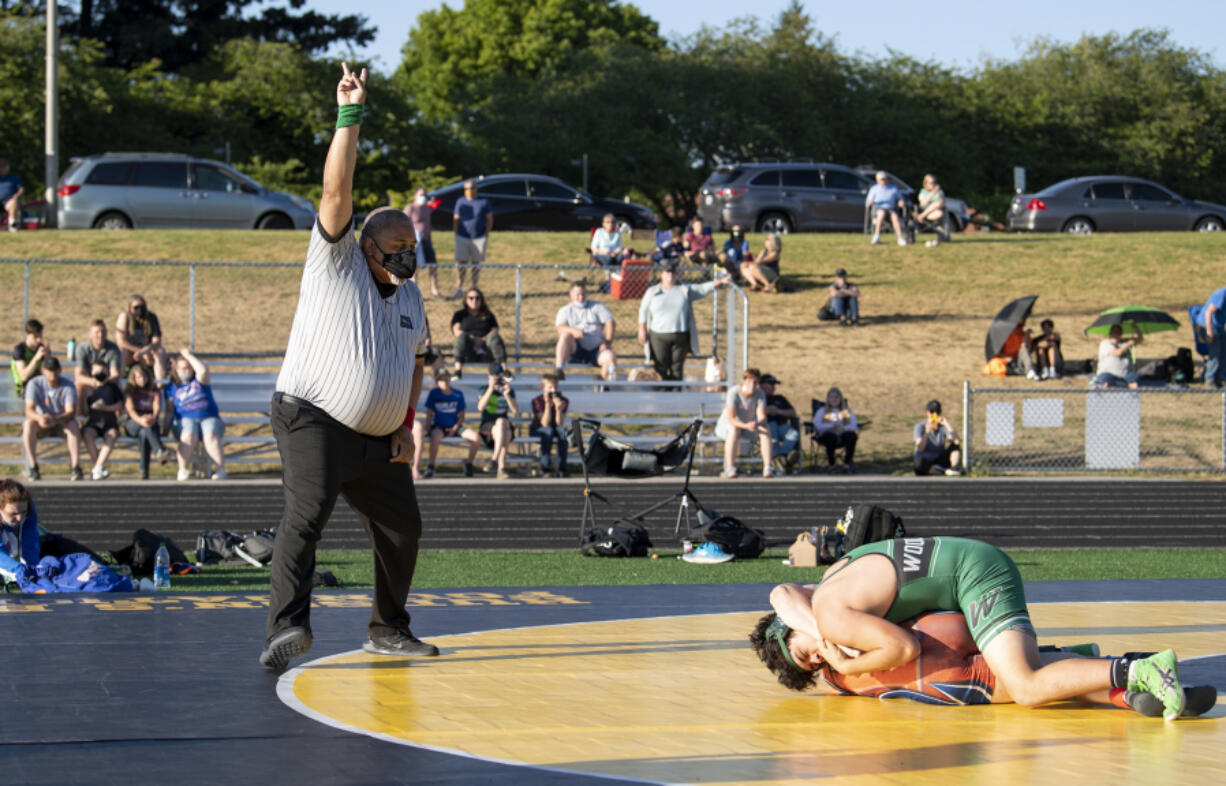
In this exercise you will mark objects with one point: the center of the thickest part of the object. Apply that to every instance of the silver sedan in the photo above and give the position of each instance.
(1110, 203)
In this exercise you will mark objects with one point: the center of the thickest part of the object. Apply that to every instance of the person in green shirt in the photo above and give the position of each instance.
(28, 356)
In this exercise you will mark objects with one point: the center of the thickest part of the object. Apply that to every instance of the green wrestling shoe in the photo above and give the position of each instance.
(1158, 675)
(1197, 700)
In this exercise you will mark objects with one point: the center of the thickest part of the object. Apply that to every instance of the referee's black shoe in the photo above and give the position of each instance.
(401, 643)
(289, 643)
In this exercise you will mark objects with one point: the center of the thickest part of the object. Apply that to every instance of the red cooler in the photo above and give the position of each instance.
(631, 281)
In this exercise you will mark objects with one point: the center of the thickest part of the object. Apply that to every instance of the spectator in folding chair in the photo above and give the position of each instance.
(670, 245)
(51, 411)
(699, 245)
(763, 273)
(444, 417)
(476, 334)
(143, 402)
(103, 404)
(585, 334)
(834, 427)
(735, 252)
(744, 417)
(885, 199)
(930, 210)
(606, 248)
(783, 425)
(845, 299)
(497, 406)
(1047, 350)
(549, 425)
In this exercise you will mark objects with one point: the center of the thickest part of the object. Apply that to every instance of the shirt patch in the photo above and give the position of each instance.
(405, 322)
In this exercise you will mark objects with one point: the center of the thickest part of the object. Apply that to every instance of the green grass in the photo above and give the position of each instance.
(562, 569)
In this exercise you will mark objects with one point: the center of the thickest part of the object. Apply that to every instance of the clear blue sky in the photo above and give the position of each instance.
(955, 33)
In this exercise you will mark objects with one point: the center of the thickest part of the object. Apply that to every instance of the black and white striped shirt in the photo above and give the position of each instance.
(351, 352)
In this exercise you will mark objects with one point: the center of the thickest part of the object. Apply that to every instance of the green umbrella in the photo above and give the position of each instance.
(1132, 319)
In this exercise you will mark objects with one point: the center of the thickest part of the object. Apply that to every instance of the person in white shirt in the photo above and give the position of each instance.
(585, 334)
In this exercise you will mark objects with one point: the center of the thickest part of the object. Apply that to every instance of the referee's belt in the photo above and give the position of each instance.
(285, 398)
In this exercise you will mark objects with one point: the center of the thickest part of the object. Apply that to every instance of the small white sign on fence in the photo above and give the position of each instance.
(1042, 412)
(999, 429)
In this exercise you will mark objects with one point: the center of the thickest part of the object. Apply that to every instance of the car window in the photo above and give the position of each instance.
(1108, 190)
(768, 178)
(543, 189)
(160, 174)
(844, 180)
(503, 188)
(1144, 192)
(802, 178)
(207, 178)
(112, 174)
(721, 177)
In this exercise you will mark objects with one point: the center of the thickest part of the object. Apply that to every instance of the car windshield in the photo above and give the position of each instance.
(722, 177)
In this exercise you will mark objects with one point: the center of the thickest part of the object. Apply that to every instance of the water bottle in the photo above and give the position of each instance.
(161, 569)
(72, 350)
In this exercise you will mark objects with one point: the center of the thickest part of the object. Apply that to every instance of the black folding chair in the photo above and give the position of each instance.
(601, 454)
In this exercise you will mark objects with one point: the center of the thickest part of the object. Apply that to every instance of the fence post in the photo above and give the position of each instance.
(26, 308)
(519, 303)
(745, 329)
(191, 300)
(967, 437)
(730, 375)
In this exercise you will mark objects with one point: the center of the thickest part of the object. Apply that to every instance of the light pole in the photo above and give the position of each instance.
(51, 145)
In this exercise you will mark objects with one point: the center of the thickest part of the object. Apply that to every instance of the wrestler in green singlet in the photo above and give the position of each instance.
(953, 574)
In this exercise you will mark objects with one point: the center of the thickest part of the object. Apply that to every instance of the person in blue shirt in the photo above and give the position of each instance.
(197, 414)
(1214, 316)
(444, 411)
(736, 251)
(22, 541)
(472, 219)
(11, 189)
(885, 198)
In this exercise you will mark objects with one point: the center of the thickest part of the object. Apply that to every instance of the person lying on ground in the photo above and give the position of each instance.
(851, 621)
(950, 670)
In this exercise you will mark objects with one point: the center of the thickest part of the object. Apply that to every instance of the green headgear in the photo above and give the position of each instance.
(778, 630)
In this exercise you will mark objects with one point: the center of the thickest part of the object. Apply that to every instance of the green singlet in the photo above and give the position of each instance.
(953, 574)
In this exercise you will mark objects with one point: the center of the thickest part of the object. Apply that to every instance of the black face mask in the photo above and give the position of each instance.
(138, 312)
(402, 264)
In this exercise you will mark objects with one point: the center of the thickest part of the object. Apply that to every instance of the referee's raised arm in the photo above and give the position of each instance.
(336, 204)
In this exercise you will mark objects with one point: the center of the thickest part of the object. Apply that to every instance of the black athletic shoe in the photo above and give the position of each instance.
(401, 643)
(1197, 700)
(287, 644)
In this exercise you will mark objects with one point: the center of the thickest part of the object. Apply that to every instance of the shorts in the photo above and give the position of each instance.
(47, 433)
(101, 424)
(470, 249)
(487, 426)
(923, 465)
(210, 426)
(588, 356)
(990, 592)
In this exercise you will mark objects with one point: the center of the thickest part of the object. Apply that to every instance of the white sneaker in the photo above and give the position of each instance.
(876, 239)
(1031, 374)
(729, 472)
(100, 473)
(953, 472)
(902, 241)
(933, 243)
(185, 474)
(220, 474)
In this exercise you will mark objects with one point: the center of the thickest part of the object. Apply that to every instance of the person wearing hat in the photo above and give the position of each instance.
(845, 299)
(666, 319)
(51, 411)
(444, 410)
(780, 422)
(936, 444)
(884, 197)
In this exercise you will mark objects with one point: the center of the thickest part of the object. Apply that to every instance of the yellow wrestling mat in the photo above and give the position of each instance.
(684, 700)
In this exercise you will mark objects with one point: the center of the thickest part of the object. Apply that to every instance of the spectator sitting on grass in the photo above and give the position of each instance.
(1047, 350)
(549, 424)
(936, 444)
(673, 248)
(103, 403)
(835, 426)
(845, 299)
(51, 411)
(444, 411)
(497, 405)
(735, 252)
(744, 417)
(97, 349)
(143, 402)
(139, 335)
(28, 356)
(585, 334)
(1115, 360)
(22, 541)
(196, 410)
(763, 273)
(476, 333)
(1017, 347)
(699, 245)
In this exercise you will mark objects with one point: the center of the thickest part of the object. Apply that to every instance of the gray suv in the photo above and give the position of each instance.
(170, 191)
(784, 197)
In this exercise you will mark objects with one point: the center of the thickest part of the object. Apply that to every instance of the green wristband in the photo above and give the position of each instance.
(349, 115)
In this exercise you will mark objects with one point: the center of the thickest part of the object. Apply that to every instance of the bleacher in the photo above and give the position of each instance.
(641, 413)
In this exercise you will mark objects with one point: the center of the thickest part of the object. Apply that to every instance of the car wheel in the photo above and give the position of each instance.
(1210, 224)
(1079, 225)
(774, 224)
(275, 221)
(112, 220)
(624, 225)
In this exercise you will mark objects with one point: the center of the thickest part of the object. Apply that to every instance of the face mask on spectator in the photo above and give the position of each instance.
(138, 312)
(187, 376)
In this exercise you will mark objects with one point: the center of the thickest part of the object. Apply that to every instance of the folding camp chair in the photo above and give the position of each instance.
(605, 455)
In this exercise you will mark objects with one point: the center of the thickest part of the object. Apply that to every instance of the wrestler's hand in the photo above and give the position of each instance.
(837, 656)
(402, 445)
(352, 87)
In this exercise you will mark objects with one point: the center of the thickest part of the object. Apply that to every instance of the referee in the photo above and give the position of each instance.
(343, 408)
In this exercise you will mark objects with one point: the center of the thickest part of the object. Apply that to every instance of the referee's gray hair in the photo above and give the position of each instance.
(382, 219)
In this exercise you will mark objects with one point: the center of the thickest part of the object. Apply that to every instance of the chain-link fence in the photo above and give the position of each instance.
(1149, 429)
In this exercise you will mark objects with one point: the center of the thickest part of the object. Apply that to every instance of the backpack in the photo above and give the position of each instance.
(866, 523)
(216, 546)
(256, 548)
(826, 312)
(140, 555)
(730, 534)
(1183, 369)
(622, 538)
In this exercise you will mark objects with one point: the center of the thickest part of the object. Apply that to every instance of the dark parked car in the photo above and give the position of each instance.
(1110, 203)
(539, 202)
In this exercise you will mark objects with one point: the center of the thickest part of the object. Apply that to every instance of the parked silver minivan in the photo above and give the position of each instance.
(171, 191)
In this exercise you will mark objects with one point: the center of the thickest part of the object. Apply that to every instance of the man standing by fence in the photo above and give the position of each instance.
(344, 428)
(1215, 335)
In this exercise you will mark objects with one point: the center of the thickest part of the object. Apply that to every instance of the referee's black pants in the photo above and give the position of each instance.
(321, 459)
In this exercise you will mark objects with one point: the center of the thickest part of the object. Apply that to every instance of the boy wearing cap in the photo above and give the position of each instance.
(444, 418)
(845, 299)
(51, 411)
(780, 415)
(936, 444)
